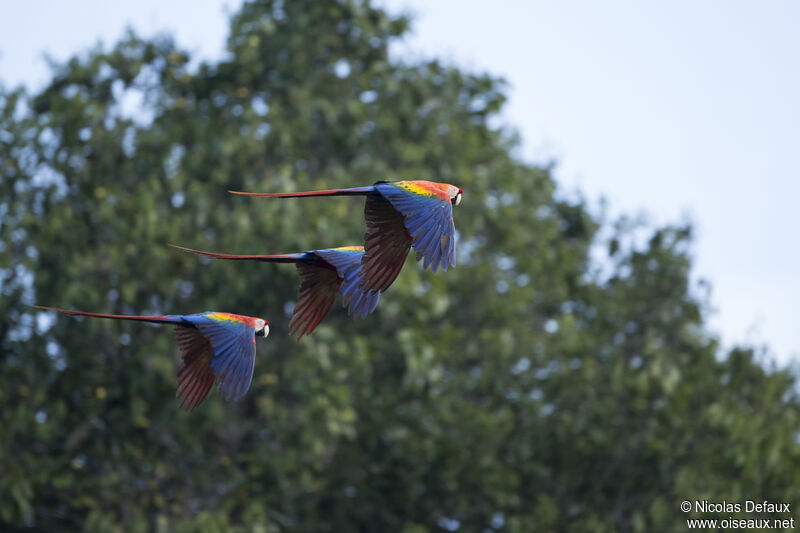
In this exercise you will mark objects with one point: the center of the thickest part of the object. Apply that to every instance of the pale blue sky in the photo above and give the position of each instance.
(680, 108)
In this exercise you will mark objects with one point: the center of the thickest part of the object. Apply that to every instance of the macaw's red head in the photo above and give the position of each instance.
(262, 327)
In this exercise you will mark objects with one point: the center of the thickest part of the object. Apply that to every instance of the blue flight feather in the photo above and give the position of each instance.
(429, 221)
(348, 266)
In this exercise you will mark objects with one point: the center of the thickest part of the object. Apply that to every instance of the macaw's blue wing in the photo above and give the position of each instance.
(233, 349)
(428, 219)
(347, 261)
(318, 289)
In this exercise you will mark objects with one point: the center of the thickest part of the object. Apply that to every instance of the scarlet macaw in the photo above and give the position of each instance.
(399, 215)
(215, 348)
(323, 273)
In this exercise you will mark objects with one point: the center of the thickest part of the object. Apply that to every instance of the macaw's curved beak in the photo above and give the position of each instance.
(263, 332)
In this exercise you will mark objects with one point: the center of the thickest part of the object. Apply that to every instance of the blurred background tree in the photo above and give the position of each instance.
(556, 379)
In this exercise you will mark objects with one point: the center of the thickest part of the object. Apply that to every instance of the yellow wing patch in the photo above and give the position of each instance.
(415, 187)
(224, 317)
(425, 188)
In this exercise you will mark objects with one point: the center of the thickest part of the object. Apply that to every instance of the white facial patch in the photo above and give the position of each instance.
(260, 325)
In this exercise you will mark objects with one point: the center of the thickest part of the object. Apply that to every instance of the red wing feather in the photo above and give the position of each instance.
(318, 289)
(386, 244)
(195, 376)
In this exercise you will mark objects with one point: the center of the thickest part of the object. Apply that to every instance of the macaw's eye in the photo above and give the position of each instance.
(457, 199)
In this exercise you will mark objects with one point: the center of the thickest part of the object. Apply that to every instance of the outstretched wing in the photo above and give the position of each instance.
(347, 261)
(386, 245)
(318, 288)
(195, 376)
(428, 217)
(233, 343)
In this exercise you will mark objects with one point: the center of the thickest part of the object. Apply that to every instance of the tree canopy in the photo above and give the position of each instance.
(526, 389)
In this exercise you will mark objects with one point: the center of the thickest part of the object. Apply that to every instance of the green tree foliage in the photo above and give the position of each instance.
(527, 389)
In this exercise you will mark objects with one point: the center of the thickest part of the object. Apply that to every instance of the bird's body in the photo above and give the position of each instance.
(215, 348)
(399, 215)
(323, 274)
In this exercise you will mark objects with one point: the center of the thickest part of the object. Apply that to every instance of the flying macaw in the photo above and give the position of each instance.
(399, 215)
(215, 348)
(323, 273)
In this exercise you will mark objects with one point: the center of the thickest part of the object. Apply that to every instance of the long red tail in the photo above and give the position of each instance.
(276, 258)
(355, 191)
(153, 319)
